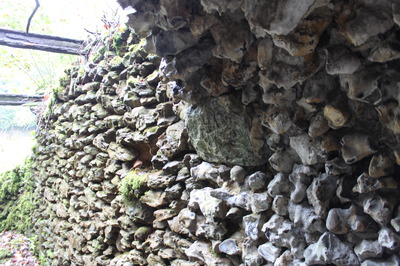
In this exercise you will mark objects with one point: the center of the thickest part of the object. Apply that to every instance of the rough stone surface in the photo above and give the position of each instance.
(221, 131)
(216, 93)
(329, 249)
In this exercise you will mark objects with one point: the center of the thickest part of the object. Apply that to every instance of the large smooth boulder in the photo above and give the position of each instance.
(222, 131)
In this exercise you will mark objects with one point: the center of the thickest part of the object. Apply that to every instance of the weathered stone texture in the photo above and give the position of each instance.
(274, 126)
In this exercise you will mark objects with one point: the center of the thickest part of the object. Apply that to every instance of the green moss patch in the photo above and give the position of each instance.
(132, 186)
(16, 199)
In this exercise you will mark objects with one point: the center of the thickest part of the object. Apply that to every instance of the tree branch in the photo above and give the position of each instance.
(33, 13)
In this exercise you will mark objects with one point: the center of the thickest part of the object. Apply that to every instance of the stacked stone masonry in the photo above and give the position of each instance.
(268, 133)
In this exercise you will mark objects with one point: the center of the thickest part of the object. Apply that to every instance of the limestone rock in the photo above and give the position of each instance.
(202, 251)
(391, 261)
(281, 69)
(286, 259)
(320, 192)
(283, 233)
(356, 146)
(277, 119)
(375, 23)
(212, 208)
(141, 22)
(160, 180)
(248, 81)
(283, 17)
(210, 172)
(210, 229)
(307, 149)
(230, 247)
(341, 61)
(329, 249)
(305, 37)
(174, 140)
(173, 167)
(363, 85)
(201, 24)
(366, 184)
(337, 167)
(140, 118)
(260, 202)
(381, 164)
(316, 91)
(389, 239)
(280, 185)
(269, 252)
(173, 42)
(395, 222)
(155, 198)
(304, 216)
(252, 224)
(174, 14)
(180, 262)
(386, 51)
(211, 6)
(211, 140)
(283, 160)
(280, 205)
(257, 180)
(367, 249)
(246, 200)
(250, 254)
(337, 113)
(184, 223)
(342, 221)
(238, 174)
(118, 152)
(301, 179)
(231, 44)
(379, 208)
(318, 126)
(185, 64)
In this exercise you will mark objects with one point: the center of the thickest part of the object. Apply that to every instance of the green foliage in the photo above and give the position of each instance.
(42, 259)
(4, 254)
(26, 71)
(131, 185)
(17, 199)
(117, 40)
(215, 254)
(19, 215)
(10, 182)
(30, 72)
(13, 116)
(135, 48)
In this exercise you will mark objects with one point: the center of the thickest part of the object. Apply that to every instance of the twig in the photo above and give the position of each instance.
(33, 13)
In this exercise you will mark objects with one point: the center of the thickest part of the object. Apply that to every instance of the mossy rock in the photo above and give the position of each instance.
(132, 185)
(117, 63)
(17, 200)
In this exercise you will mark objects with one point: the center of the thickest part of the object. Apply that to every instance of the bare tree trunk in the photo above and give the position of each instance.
(18, 99)
(19, 39)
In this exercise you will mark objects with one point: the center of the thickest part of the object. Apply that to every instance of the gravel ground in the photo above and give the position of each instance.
(15, 250)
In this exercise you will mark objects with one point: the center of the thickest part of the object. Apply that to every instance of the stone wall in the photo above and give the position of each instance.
(274, 126)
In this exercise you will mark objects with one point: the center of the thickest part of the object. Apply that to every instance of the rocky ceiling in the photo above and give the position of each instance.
(272, 80)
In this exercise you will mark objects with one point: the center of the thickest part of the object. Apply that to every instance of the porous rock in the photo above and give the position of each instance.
(329, 249)
(232, 143)
(201, 251)
(367, 249)
(238, 83)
